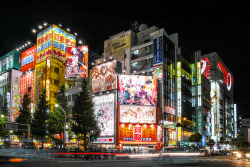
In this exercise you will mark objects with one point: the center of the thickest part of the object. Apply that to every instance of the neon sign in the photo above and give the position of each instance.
(228, 79)
(205, 67)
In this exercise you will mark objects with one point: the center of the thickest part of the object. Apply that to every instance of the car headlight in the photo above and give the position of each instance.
(238, 155)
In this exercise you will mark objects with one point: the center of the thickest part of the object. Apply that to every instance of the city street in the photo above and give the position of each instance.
(195, 162)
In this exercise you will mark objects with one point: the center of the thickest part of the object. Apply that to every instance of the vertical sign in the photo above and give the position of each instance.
(47, 79)
(179, 133)
(158, 71)
(235, 121)
(179, 91)
(137, 133)
(158, 50)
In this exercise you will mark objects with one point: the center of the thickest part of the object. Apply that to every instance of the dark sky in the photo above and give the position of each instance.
(220, 26)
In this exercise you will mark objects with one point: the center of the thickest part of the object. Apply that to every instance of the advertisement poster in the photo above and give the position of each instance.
(44, 44)
(15, 95)
(138, 132)
(104, 111)
(158, 50)
(170, 110)
(119, 44)
(76, 63)
(137, 114)
(28, 58)
(137, 90)
(104, 77)
(158, 71)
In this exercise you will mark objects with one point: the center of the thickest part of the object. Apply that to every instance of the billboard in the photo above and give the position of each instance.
(158, 50)
(44, 44)
(104, 110)
(119, 44)
(179, 91)
(28, 58)
(137, 114)
(104, 77)
(27, 85)
(137, 90)
(76, 63)
(61, 41)
(53, 42)
(158, 71)
(170, 110)
(15, 96)
(137, 132)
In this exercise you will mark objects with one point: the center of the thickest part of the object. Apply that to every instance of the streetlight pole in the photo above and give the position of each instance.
(57, 105)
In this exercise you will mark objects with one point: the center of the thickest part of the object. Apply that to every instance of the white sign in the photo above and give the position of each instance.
(104, 140)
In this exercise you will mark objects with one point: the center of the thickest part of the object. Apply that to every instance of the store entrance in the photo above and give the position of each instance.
(138, 149)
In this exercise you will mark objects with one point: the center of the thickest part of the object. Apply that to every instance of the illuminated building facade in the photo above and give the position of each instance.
(223, 110)
(52, 45)
(10, 75)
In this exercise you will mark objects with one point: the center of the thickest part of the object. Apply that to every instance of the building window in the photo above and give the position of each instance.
(57, 70)
(69, 98)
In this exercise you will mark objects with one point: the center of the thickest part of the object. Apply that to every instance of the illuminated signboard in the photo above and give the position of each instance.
(53, 42)
(235, 121)
(119, 44)
(198, 73)
(228, 79)
(44, 44)
(170, 110)
(158, 50)
(137, 114)
(179, 133)
(137, 132)
(28, 59)
(137, 90)
(104, 111)
(15, 95)
(76, 64)
(205, 67)
(248, 135)
(179, 91)
(104, 77)
(104, 140)
(158, 71)
(47, 79)
(199, 95)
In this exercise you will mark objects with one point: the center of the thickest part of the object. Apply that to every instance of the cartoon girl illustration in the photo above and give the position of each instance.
(144, 100)
(133, 96)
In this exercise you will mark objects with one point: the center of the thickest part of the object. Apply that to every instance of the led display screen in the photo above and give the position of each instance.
(137, 90)
(104, 111)
(76, 64)
(137, 114)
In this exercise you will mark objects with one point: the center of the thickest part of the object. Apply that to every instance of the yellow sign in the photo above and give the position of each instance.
(179, 133)
(119, 44)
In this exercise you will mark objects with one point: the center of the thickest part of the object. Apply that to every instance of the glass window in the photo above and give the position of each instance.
(147, 50)
(142, 65)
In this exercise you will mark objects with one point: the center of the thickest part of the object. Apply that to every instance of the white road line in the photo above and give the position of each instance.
(73, 161)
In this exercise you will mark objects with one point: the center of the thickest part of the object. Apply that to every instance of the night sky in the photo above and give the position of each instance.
(220, 26)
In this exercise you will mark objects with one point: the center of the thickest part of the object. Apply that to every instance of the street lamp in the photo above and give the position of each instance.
(57, 105)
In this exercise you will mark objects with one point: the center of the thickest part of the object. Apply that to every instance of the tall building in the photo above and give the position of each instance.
(52, 44)
(223, 114)
(10, 75)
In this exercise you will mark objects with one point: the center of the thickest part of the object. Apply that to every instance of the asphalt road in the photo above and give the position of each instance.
(128, 163)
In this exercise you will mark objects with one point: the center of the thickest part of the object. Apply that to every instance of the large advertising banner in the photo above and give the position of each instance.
(137, 90)
(179, 92)
(137, 132)
(44, 44)
(119, 44)
(158, 50)
(104, 77)
(137, 114)
(27, 85)
(28, 58)
(76, 64)
(104, 111)
(158, 71)
(15, 99)
(61, 41)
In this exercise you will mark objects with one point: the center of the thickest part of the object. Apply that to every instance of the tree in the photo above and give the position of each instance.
(195, 137)
(24, 117)
(38, 126)
(3, 119)
(5, 108)
(83, 114)
(56, 118)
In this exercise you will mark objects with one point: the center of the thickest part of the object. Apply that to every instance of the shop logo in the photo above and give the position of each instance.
(228, 79)
(27, 60)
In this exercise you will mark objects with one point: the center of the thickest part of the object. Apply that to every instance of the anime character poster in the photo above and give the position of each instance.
(76, 64)
(137, 114)
(137, 90)
(104, 77)
(104, 111)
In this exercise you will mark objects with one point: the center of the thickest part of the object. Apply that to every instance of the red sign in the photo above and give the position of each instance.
(205, 67)
(137, 133)
(228, 79)
(28, 59)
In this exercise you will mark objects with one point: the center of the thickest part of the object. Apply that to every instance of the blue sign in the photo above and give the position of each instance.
(27, 60)
(158, 50)
(128, 138)
(203, 141)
